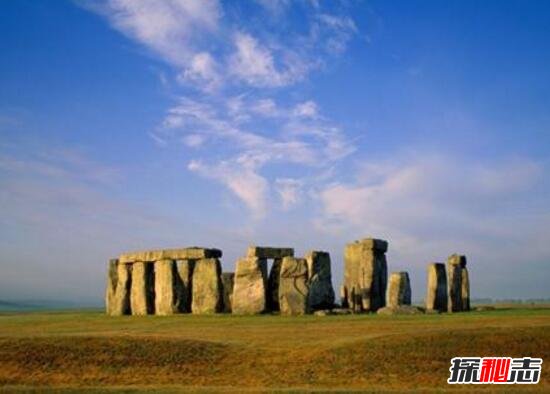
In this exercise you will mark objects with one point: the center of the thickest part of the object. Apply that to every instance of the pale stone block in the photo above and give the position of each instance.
(207, 287)
(293, 287)
(250, 288)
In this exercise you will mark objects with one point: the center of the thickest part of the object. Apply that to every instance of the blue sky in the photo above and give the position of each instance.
(138, 124)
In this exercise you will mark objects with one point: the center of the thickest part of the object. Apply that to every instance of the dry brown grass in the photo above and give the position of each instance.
(79, 350)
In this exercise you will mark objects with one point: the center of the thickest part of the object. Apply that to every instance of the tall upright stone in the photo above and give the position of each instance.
(436, 294)
(365, 274)
(249, 291)
(185, 284)
(228, 280)
(121, 302)
(110, 290)
(399, 291)
(293, 287)
(167, 287)
(454, 283)
(273, 285)
(465, 285)
(207, 288)
(321, 292)
(142, 297)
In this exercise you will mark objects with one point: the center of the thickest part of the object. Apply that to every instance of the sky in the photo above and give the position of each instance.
(137, 124)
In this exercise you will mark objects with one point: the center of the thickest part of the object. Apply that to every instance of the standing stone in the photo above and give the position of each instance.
(142, 298)
(454, 283)
(249, 291)
(228, 279)
(321, 293)
(399, 291)
(110, 290)
(167, 287)
(121, 303)
(293, 287)
(185, 284)
(436, 294)
(365, 274)
(273, 285)
(465, 286)
(207, 288)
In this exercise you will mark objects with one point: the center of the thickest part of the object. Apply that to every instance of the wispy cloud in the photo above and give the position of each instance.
(251, 135)
(430, 202)
(255, 64)
(209, 51)
(236, 66)
(170, 28)
(241, 177)
(290, 191)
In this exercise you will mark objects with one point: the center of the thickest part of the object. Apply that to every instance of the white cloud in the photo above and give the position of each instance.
(341, 31)
(242, 179)
(276, 7)
(289, 190)
(203, 71)
(433, 203)
(168, 27)
(194, 140)
(194, 117)
(307, 109)
(265, 107)
(245, 153)
(254, 64)
(192, 36)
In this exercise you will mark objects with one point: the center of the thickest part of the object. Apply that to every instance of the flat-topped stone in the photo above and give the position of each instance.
(192, 253)
(365, 274)
(373, 243)
(457, 259)
(266, 252)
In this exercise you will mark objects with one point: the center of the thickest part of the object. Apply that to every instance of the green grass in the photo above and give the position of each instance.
(91, 352)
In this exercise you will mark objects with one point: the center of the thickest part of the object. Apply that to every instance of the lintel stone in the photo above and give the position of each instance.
(150, 256)
(264, 252)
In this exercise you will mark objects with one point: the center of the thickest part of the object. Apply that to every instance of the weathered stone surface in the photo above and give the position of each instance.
(121, 303)
(269, 252)
(250, 288)
(293, 287)
(375, 244)
(321, 293)
(365, 274)
(454, 283)
(185, 283)
(207, 288)
(273, 285)
(399, 291)
(193, 253)
(465, 289)
(228, 281)
(142, 298)
(400, 310)
(436, 294)
(110, 290)
(167, 288)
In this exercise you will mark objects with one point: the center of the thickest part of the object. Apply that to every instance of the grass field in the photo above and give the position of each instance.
(69, 351)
